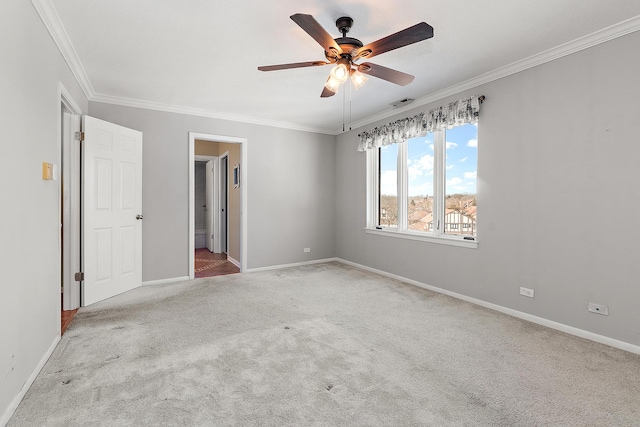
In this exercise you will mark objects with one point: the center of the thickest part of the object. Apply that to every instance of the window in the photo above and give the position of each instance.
(425, 187)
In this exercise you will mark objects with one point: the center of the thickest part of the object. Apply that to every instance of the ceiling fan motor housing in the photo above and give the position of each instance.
(348, 44)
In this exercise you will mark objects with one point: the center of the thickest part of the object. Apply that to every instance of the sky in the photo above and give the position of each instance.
(461, 163)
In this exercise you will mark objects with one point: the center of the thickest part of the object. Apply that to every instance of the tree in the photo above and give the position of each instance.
(388, 210)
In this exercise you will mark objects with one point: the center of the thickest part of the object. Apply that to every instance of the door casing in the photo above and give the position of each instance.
(69, 199)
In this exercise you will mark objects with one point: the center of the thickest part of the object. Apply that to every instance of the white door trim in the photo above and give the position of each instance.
(244, 148)
(70, 253)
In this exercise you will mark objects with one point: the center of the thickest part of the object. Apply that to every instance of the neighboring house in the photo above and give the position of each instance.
(456, 222)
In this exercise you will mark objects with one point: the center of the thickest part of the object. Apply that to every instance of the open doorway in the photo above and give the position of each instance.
(211, 212)
(217, 223)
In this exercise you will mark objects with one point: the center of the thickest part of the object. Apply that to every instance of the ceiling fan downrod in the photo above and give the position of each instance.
(344, 24)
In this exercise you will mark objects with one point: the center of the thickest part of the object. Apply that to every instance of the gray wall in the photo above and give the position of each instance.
(31, 70)
(290, 184)
(557, 196)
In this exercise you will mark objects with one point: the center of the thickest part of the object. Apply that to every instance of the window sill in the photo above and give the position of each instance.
(441, 240)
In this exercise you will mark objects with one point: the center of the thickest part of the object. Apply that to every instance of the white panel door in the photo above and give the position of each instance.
(209, 200)
(112, 209)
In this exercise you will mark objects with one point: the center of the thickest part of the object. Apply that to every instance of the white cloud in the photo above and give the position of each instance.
(471, 175)
(472, 143)
(389, 183)
(454, 181)
(449, 167)
(458, 185)
(431, 146)
(421, 167)
(451, 145)
(464, 159)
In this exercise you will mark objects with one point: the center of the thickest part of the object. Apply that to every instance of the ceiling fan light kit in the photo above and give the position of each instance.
(340, 71)
(332, 85)
(357, 78)
(345, 51)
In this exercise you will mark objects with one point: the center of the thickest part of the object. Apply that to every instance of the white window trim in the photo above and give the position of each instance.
(372, 187)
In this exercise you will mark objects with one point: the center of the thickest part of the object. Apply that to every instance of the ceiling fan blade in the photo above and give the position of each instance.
(417, 33)
(384, 73)
(326, 93)
(293, 65)
(315, 30)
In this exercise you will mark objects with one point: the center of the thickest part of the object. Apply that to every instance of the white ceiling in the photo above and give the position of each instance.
(202, 55)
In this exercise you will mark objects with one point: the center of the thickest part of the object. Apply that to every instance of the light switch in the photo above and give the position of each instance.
(54, 171)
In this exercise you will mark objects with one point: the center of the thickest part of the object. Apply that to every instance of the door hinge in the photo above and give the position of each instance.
(80, 136)
(79, 276)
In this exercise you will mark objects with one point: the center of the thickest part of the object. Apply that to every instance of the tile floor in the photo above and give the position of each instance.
(209, 264)
(66, 318)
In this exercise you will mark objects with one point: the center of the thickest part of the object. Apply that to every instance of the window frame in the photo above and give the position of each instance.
(437, 235)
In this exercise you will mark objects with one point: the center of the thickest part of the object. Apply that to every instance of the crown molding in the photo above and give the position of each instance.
(200, 112)
(52, 22)
(601, 36)
(56, 29)
(59, 35)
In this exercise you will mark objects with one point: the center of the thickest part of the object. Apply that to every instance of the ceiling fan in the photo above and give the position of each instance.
(346, 51)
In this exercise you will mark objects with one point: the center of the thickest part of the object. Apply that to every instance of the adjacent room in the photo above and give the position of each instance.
(349, 213)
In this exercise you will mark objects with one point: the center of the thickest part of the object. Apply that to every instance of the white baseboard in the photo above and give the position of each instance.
(296, 264)
(163, 281)
(622, 345)
(8, 412)
(233, 261)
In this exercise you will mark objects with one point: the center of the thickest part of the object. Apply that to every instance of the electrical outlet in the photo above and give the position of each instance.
(598, 309)
(527, 292)
(307, 249)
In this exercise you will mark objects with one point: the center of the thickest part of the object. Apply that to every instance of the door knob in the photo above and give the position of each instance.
(138, 216)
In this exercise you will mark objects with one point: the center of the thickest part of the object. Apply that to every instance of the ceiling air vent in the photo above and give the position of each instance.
(402, 102)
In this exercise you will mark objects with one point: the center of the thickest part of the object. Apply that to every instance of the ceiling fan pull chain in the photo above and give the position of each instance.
(350, 104)
(344, 101)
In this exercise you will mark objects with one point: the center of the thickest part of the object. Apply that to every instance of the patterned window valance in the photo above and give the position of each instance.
(454, 114)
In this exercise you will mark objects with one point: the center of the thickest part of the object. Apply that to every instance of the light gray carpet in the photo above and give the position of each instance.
(323, 345)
